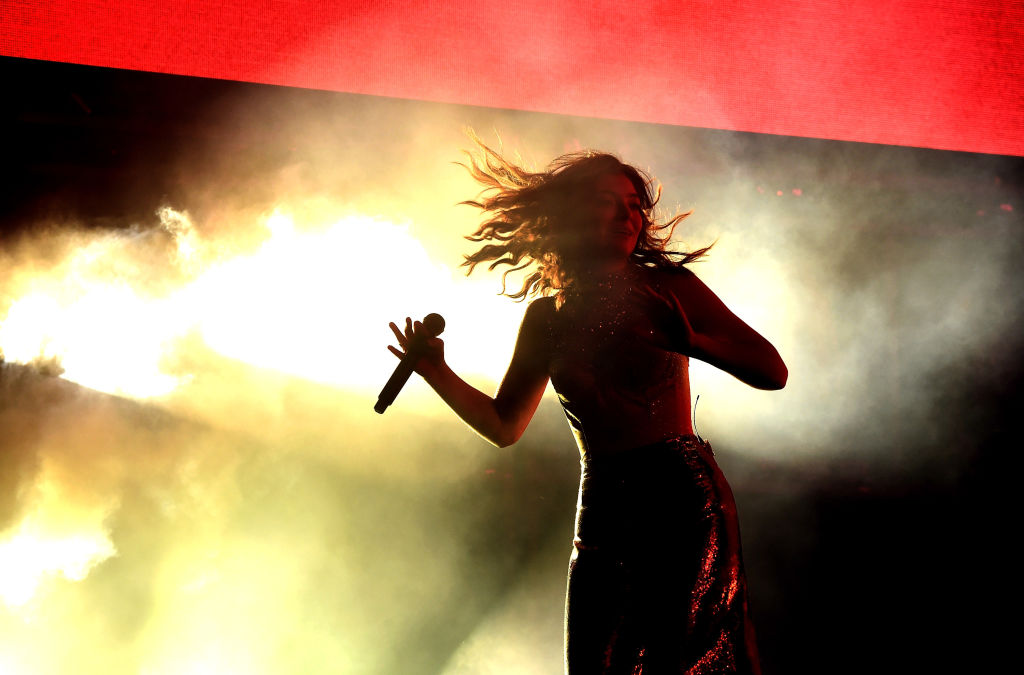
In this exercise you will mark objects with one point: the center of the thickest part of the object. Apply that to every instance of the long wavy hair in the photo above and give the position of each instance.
(529, 218)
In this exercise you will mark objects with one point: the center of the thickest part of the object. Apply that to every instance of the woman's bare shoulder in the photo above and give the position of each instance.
(543, 303)
(684, 290)
(539, 314)
(670, 275)
(677, 281)
(543, 306)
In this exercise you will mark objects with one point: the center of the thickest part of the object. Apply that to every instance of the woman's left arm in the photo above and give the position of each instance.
(707, 330)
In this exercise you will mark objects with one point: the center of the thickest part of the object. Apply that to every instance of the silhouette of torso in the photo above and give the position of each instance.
(613, 368)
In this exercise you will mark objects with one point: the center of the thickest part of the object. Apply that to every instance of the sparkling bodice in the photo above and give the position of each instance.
(612, 365)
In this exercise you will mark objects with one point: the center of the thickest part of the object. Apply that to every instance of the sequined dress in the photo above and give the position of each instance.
(656, 582)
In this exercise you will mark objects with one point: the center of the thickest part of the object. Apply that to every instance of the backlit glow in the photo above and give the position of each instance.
(312, 302)
(31, 556)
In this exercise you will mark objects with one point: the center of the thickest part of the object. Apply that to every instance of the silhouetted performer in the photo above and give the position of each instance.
(656, 582)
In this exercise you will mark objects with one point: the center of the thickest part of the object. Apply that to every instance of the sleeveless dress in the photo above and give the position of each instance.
(656, 582)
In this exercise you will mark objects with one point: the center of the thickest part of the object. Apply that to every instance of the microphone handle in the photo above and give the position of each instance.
(397, 380)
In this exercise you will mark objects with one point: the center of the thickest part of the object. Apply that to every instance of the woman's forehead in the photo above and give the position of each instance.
(616, 182)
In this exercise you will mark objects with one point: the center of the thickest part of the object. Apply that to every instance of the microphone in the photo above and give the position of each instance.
(434, 325)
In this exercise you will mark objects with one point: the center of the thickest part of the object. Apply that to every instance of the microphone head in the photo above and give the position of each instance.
(434, 323)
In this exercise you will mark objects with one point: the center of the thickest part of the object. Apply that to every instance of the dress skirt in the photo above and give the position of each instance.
(656, 582)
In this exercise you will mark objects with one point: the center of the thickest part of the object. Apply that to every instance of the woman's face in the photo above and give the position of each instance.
(611, 218)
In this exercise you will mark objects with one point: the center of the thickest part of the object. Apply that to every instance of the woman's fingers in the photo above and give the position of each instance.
(405, 338)
(402, 340)
(430, 350)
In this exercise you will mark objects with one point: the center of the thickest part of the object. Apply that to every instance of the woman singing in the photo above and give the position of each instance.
(656, 582)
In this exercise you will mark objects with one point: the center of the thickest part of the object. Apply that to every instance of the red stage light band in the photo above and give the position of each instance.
(941, 74)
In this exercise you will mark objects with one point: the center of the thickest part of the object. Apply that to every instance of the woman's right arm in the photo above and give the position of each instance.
(501, 419)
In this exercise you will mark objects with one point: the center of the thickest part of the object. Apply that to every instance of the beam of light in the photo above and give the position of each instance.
(31, 555)
(95, 313)
(109, 338)
(312, 302)
(60, 537)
